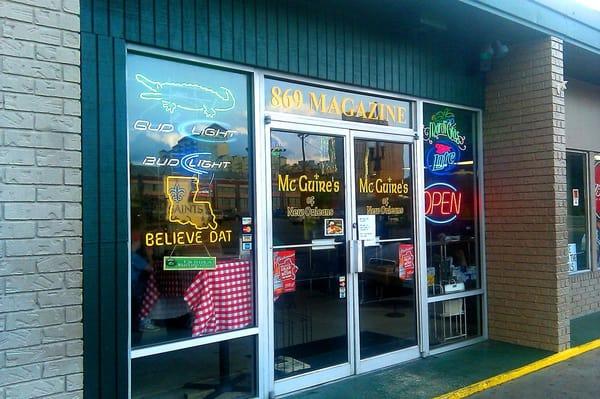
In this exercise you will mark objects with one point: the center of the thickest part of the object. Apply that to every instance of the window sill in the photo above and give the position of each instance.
(580, 272)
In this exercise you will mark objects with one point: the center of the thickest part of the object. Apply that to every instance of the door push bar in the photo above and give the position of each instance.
(356, 258)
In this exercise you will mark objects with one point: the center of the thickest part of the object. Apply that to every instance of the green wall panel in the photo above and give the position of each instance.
(295, 37)
(105, 235)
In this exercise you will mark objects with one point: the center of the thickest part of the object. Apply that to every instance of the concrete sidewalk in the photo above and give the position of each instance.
(432, 376)
(578, 378)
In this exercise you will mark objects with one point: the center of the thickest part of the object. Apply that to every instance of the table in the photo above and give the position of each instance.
(221, 299)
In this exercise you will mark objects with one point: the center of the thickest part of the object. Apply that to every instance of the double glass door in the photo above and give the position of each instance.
(343, 251)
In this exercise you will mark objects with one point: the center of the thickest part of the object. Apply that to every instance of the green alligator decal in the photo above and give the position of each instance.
(187, 96)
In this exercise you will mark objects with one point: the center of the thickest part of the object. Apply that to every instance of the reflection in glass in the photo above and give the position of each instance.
(454, 320)
(387, 307)
(577, 217)
(189, 188)
(224, 369)
(310, 319)
(384, 186)
(310, 309)
(384, 191)
(308, 186)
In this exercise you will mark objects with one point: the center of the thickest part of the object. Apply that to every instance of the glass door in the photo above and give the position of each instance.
(384, 251)
(343, 256)
(310, 203)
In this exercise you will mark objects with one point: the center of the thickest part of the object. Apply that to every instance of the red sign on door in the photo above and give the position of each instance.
(284, 272)
(406, 261)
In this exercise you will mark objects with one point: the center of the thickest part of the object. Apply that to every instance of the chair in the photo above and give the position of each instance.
(454, 316)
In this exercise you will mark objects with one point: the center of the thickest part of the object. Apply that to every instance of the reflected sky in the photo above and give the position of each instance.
(315, 147)
(169, 83)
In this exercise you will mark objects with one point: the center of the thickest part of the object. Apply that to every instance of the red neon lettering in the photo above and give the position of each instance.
(437, 199)
(446, 203)
(443, 203)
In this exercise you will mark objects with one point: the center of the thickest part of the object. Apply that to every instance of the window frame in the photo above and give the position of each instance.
(253, 96)
(587, 167)
(593, 158)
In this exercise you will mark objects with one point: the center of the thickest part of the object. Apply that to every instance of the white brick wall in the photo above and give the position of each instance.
(40, 200)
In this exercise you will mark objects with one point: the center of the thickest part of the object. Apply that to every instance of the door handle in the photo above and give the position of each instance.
(356, 258)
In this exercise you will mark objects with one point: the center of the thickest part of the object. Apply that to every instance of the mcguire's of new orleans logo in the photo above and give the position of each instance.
(443, 124)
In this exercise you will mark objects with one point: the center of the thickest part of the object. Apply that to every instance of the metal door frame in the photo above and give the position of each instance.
(348, 130)
(413, 352)
(331, 373)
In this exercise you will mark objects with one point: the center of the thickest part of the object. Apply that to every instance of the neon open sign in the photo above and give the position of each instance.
(443, 203)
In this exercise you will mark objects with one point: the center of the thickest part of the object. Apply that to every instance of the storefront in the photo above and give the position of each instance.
(249, 198)
(293, 232)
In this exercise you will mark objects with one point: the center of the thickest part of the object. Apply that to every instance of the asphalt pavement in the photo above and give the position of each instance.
(576, 378)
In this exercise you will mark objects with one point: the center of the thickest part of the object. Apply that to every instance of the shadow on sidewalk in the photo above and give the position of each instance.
(585, 329)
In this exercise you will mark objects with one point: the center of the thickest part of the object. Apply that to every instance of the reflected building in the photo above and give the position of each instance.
(225, 187)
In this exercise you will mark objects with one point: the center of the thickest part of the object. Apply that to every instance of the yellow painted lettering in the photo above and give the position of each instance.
(372, 110)
(334, 108)
(360, 110)
(362, 185)
(302, 183)
(283, 184)
(348, 106)
(391, 113)
(318, 104)
(401, 115)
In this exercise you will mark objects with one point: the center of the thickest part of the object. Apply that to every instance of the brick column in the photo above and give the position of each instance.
(525, 197)
(40, 200)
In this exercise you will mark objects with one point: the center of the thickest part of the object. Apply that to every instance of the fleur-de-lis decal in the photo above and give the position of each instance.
(177, 192)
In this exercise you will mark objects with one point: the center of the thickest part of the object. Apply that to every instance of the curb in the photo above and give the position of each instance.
(520, 372)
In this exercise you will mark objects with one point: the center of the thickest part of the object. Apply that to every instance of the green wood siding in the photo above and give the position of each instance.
(105, 235)
(296, 38)
(291, 37)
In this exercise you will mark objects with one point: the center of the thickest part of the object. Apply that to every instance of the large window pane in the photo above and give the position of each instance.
(310, 317)
(454, 320)
(597, 205)
(450, 150)
(309, 263)
(577, 216)
(308, 187)
(223, 370)
(386, 287)
(191, 206)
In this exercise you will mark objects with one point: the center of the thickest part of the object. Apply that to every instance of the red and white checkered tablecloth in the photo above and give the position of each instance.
(221, 299)
(163, 283)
